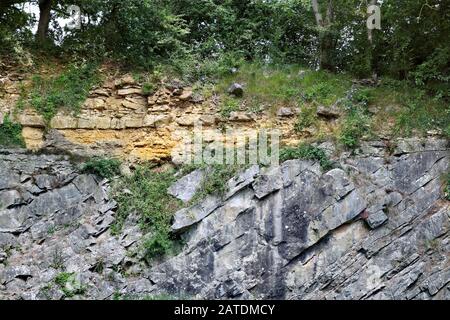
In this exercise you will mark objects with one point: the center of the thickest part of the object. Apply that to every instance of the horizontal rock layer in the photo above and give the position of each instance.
(118, 119)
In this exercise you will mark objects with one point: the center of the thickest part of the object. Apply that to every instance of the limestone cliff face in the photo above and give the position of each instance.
(376, 226)
(118, 120)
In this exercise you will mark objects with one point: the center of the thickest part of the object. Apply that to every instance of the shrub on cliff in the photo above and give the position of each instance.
(11, 134)
(145, 194)
(105, 168)
(67, 90)
(307, 152)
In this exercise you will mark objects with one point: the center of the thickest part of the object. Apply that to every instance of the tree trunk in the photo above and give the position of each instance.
(326, 49)
(373, 61)
(317, 13)
(45, 7)
(326, 41)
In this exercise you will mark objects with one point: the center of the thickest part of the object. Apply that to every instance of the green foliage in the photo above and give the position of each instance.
(306, 118)
(11, 134)
(418, 34)
(145, 193)
(14, 33)
(139, 34)
(193, 68)
(159, 243)
(148, 88)
(357, 121)
(103, 167)
(436, 69)
(354, 127)
(229, 105)
(266, 85)
(421, 114)
(363, 96)
(216, 178)
(307, 152)
(206, 42)
(62, 278)
(67, 90)
(324, 88)
(413, 43)
(69, 285)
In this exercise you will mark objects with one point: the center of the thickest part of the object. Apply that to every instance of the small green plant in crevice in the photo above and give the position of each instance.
(364, 96)
(67, 90)
(353, 128)
(57, 261)
(307, 152)
(215, 180)
(228, 106)
(356, 122)
(431, 244)
(62, 278)
(447, 188)
(145, 193)
(159, 243)
(11, 134)
(45, 291)
(69, 285)
(148, 88)
(102, 167)
(51, 230)
(306, 118)
(99, 266)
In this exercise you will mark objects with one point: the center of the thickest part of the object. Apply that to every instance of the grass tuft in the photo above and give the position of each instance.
(307, 152)
(67, 90)
(102, 167)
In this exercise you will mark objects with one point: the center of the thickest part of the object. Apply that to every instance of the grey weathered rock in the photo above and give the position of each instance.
(9, 198)
(265, 184)
(376, 219)
(236, 89)
(186, 187)
(238, 116)
(328, 112)
(189, 216)
(375, 227)
(307, 240)
(285, 112)
(242, 180)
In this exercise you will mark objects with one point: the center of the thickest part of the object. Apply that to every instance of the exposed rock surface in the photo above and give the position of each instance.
(118, 119)
(236, 89)
(329, 112)
(306, 238)
(186, 187)
(375, 227)
(53, 221)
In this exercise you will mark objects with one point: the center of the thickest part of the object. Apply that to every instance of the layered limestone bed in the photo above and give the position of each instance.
(117, 119)
(376, 226)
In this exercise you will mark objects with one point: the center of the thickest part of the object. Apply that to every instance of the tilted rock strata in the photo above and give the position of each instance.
(375, 227)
